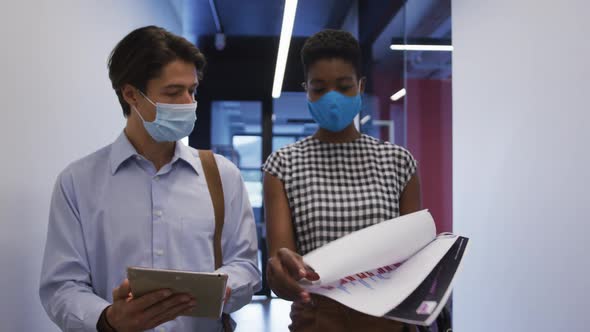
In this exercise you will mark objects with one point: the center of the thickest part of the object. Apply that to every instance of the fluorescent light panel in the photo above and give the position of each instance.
(365, 119)
(398, 95)
(284, 43)
(417, 47)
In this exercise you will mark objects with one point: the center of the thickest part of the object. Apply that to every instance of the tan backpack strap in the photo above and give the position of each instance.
(215, 186)
(216, 191)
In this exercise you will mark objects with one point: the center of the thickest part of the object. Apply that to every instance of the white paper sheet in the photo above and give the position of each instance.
(373, 270)
(377, 291)
(386, 243)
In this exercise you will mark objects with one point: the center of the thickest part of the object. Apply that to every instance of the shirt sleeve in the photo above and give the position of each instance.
(66, 287)
(408, 166)
(275, 165)
(239, 239)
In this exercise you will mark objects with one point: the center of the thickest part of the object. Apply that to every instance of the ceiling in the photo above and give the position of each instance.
(382, 20)
(258, 17)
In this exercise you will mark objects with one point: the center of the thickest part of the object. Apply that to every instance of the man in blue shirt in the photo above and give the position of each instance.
(143, 201)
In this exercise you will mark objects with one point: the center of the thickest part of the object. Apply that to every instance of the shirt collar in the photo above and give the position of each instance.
(184, 153)
(122, 150)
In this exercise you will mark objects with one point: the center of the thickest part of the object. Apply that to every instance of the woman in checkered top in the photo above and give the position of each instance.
(330, 184)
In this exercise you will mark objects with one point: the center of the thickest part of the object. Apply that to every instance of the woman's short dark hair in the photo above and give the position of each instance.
(141, 55)
(329, 44)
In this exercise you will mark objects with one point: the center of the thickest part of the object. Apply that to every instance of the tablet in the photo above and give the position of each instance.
(208, 289)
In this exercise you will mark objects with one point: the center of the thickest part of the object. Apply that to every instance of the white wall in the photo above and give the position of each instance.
(521, 81)
(56, 106)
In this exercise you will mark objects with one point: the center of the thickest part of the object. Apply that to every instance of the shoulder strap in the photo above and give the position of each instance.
(215, 186)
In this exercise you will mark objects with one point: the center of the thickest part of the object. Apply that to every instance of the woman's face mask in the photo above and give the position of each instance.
(335, 111)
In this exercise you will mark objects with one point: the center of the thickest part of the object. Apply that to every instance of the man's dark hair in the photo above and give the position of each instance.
(141, 55)
(329, 44)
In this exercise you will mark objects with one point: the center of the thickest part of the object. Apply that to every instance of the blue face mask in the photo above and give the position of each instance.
(173, 121)
(335, 111)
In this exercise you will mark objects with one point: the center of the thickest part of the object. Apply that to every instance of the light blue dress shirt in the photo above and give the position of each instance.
(112, 209)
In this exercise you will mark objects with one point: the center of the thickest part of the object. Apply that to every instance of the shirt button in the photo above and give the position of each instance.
(158, 213)
(161, 329)
(159, 252)
(156, 178)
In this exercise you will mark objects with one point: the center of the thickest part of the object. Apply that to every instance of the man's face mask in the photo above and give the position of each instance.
(173, 121)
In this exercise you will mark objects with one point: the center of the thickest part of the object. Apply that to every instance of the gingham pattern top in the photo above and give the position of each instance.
(337, 188)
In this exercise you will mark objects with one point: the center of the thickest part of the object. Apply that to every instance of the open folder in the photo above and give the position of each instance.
(398, 269)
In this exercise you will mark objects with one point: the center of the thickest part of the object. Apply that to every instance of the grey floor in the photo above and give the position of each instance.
(267, 315)
(263, 315)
